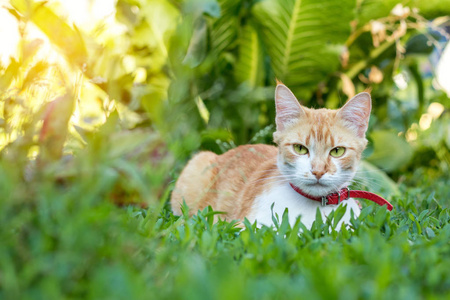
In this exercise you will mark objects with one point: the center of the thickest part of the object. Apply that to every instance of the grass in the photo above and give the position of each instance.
(63, 234)
(67, 240)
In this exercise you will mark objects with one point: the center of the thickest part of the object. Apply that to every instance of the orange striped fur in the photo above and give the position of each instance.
(238, 181)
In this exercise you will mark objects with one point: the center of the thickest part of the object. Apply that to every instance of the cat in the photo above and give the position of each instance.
(318, 152)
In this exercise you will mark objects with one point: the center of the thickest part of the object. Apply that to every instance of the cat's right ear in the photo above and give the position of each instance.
(288, 110)
(356, 113)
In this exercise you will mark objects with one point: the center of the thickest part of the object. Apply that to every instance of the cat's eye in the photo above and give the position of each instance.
(300, 149)
(337, 152)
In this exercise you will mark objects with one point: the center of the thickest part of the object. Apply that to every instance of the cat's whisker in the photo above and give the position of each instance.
(266, 170)
(367, 172)
(362, 177)
(377, 170)
(372, 183)
(284, 177)
(270, 177)
(367, 183)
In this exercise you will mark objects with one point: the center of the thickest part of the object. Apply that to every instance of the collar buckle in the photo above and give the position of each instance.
(325, 200)
(348, 192)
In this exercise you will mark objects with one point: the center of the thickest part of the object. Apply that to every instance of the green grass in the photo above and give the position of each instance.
(67, 240)
(62, 236)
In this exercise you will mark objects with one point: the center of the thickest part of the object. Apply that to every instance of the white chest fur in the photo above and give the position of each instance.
(283, 196)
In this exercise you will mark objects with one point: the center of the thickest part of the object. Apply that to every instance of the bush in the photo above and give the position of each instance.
(95, 126)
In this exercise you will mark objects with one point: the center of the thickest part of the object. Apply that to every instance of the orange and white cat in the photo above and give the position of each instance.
(318, 151)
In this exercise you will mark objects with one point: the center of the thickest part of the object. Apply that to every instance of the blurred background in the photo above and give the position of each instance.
(103, 102)
(134, 87)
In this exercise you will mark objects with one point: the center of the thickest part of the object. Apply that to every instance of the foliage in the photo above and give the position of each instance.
(66, 241)
(187, 62)
(95, 119)
(317, 53)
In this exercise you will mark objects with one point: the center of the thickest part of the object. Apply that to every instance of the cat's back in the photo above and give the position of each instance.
(219, 180)
(239, 177)
(245, 159)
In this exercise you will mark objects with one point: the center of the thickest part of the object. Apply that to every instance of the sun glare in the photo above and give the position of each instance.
(84, 14)
(9, 36)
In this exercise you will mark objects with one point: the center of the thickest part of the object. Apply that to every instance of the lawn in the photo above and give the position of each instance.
(69, 241)
(102, 106)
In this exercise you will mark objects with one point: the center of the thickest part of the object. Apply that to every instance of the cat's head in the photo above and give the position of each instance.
(319, 149)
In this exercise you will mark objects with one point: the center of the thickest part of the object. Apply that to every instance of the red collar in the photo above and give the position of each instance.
(344, 194)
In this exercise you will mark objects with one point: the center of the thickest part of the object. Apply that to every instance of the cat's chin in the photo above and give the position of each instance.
(317, 189)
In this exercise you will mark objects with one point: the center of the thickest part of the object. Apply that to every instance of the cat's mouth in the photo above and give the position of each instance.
(317, 184)
(318, 188)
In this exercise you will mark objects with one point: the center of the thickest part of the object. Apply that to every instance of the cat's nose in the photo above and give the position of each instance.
(318, 173)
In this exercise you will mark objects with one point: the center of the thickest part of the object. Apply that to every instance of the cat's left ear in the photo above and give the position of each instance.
(356, 113)
(288, 110)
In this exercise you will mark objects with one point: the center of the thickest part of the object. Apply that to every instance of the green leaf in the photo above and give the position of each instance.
(374, 9)
(249, 67)
(304, 38)
(338, 214)
(125, 13)
(375, 180)
(224, 30)
(431, 9)
(198, 45)
(199, 7)
(124, 142)
(391, 152)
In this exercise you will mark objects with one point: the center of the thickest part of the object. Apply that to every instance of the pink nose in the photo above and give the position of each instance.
(318, 174)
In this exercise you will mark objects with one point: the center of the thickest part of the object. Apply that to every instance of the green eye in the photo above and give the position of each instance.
(337, 152)
(300, 149)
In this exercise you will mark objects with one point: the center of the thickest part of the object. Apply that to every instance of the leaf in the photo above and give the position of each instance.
(124, 142)
(374, 9)
(68, 39)
(199, 7)
(338, 214)
(198, 45)
(391, 152)
(431, 9)
(35, 72)
(375, 180)
(55, 127)
(304, 38)
(420, 44)
(162, 18)
(126, 14)
(249, 67)
(10, 73)
(224, 30)
(153, 96)
(204, 113)
(14, 13)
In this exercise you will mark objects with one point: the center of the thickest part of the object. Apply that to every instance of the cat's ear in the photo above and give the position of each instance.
(287, 107)
(356, 113)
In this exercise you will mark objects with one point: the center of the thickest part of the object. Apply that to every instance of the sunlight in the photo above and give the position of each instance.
(9, 36)
(425, 121)
(435, 109)
(84, 14)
